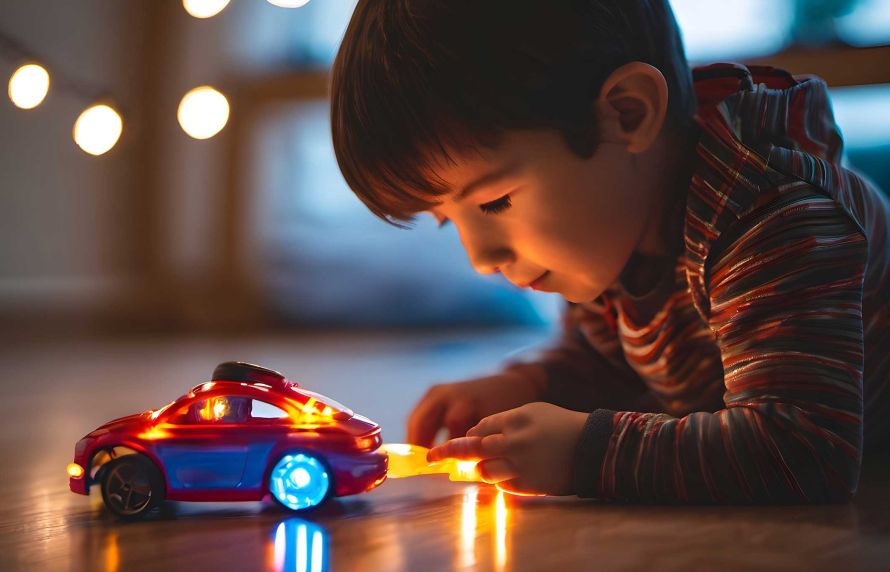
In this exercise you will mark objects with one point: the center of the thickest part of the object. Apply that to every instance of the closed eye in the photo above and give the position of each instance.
(496, 206)
(493, 207)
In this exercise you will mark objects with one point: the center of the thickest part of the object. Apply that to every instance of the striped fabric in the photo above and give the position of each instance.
(758, 370)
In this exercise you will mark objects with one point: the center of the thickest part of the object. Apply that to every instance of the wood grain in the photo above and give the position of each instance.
(54, 392)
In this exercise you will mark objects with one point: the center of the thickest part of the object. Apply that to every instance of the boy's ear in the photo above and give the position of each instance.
(632, 106)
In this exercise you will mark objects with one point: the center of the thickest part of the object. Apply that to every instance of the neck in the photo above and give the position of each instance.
(672, 168)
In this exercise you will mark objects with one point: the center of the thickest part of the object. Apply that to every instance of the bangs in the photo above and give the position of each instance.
(393, 169)
(394, 118)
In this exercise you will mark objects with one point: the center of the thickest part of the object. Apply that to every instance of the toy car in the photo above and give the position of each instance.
(246, 433)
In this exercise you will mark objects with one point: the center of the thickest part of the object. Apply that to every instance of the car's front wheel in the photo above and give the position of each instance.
(300, 480)
(132, 486)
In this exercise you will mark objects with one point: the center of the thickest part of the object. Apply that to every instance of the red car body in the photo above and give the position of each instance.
(210, 446)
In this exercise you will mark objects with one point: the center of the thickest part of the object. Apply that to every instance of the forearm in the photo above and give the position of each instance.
(762, 454)
(582, 383)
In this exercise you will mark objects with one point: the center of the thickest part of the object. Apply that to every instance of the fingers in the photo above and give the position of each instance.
(426, 419)
(470, 448)
(464, 448)
(499, 422)
(459, 418)
(518, 487)
(496, 470)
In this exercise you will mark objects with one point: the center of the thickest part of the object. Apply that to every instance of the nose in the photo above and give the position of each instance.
(489, 263)
(487, 252)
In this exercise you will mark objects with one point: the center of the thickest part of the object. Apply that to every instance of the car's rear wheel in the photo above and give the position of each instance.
(299, 481)
(132, 486)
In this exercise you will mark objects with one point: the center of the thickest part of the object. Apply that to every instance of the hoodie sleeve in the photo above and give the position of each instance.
(576, 375)
(786, 306)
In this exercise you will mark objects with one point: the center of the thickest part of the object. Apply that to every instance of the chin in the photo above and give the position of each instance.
(582, 296)
(577, 298)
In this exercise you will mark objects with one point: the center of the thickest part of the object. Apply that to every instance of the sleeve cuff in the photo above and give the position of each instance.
(591, 450)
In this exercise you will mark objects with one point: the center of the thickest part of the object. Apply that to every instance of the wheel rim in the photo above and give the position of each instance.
(128, 489)
(299, 481)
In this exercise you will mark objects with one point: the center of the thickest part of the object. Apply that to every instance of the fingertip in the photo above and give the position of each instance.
(434, 454)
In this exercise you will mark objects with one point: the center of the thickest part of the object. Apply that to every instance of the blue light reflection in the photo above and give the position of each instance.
(300, 546)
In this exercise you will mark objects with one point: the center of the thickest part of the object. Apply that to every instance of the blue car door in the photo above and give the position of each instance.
(203, 453)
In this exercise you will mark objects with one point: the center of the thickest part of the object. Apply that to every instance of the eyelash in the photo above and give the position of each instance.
(493, 207)
(497, 206)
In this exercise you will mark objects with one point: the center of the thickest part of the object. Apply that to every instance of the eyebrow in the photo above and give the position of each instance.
(486, 180)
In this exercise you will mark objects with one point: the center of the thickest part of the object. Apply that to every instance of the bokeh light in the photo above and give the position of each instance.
(204, 8)
(203, 112)
(97, 129)
(28, 86)
(289, 3)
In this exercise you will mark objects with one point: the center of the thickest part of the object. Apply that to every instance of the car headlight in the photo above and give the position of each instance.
(75, 470)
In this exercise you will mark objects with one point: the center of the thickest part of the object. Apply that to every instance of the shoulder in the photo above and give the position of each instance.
(798, 211)
(799, 239)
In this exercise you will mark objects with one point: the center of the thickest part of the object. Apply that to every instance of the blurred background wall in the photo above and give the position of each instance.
(254, 228)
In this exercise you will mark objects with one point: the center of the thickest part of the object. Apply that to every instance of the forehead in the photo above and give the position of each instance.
(463, 172)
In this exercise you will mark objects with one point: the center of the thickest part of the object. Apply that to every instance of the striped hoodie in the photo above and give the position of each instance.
(757, 370)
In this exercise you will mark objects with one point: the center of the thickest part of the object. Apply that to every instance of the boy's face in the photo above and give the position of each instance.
(573, 221)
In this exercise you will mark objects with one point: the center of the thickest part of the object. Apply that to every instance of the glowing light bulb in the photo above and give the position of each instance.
(203, 112)
(75, 470)
(204, 8)
(289, 3)
(97, 129)
(28, 86)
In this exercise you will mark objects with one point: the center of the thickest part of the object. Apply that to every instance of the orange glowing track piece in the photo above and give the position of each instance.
(406, 460)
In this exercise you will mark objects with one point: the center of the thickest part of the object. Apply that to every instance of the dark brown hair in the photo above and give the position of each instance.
(416, 80)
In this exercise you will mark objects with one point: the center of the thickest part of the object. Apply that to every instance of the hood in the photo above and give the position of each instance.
(358, 425)
(121, 423)
(765, 107)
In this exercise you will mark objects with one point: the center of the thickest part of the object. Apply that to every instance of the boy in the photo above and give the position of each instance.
(726, 333)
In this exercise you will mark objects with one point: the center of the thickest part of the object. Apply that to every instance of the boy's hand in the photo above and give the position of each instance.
(528, 450)
(459, 406)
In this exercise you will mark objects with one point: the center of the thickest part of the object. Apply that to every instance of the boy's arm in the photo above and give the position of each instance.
(786, 304)
(571, 373)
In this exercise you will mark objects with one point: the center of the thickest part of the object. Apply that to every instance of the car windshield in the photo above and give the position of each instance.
(157, 412)
(323, 401)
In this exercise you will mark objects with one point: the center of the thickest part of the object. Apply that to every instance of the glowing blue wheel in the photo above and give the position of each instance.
(299, 481)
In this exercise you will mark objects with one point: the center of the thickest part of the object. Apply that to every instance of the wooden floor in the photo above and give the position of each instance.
(52, 393)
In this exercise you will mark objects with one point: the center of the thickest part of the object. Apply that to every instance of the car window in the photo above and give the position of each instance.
(215, 410)
(262, 410)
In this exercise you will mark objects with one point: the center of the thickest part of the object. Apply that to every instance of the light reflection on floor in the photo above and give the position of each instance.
(468, 526)
(471, 512)
(299, 545)
(303, 546)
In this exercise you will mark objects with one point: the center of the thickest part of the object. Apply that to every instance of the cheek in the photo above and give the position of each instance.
(591, 228)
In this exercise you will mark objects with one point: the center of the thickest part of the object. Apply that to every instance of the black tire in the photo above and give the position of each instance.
(132, 486)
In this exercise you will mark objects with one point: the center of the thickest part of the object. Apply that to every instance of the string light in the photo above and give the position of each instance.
(203, 112)
(289, 3)
(28, 86)
(204, 8)
(97, 129)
